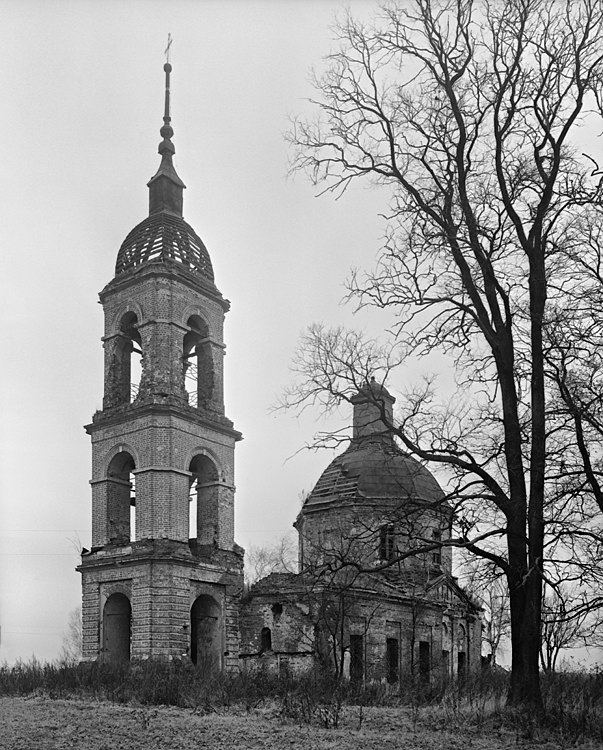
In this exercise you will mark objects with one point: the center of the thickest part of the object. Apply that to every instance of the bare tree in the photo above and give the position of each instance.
(71, 648)
(280, 557)
(468, 114)
(565, 624)
(486, 584)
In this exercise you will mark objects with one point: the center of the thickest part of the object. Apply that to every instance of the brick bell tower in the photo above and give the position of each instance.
(164, 575)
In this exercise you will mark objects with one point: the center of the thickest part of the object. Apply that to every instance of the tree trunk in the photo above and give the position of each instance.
(524, 687)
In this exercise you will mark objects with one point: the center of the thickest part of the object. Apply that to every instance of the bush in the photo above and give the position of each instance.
(573, 701)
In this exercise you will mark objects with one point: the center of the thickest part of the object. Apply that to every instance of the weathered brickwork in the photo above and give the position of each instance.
(162, 581)
(373, 508)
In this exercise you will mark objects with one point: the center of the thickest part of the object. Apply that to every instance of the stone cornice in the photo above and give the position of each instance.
(129, 412)
(173, 271)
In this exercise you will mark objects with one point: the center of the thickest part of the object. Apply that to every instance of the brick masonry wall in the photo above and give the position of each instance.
(162, 446)
(445, 626)
(163, 300)
(162, 586)
(156, 569)
(353, 529)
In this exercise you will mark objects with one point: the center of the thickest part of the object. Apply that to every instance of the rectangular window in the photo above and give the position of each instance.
(424, 660)
(387, 542)
(356, 658)
(392, 657)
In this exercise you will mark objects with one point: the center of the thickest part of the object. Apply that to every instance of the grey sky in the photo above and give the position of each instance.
(82, 94)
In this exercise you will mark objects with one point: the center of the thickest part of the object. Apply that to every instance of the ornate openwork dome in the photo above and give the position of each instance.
(163, 237)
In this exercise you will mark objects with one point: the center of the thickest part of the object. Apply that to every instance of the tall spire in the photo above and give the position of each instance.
(165, 187)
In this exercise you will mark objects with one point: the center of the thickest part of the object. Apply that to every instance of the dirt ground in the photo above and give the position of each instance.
(40, 723)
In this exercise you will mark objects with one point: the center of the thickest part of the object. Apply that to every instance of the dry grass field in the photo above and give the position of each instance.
(161, 706)
(41, 723)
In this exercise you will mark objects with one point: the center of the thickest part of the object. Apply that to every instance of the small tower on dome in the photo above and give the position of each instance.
(163, 578)
(373, 412)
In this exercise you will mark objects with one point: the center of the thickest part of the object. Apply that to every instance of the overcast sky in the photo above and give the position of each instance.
(82, 95)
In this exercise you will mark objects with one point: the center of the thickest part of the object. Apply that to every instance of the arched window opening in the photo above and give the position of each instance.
(204, 500)
(121, 499)
(265, 640)
(117, 628)
(127, 361)
(206, 642)
(198, 363)
(387, 542)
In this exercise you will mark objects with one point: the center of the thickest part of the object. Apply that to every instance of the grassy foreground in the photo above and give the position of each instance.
(171, 706)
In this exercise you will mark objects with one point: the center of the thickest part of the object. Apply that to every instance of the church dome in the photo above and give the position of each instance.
(373, 467)
(374, 470)
(161, 237)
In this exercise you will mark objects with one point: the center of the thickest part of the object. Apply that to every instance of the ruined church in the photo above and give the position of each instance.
(163, 464)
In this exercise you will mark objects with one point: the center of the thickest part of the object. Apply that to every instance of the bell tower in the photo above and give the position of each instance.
(164, 575)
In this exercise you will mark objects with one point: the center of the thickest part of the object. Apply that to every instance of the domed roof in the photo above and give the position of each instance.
(164, 236)
(374, 469)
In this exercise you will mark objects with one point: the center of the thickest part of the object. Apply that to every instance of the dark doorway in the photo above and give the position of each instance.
(392, 656)
(356, 658)
(424, 660)
(117, 628)
(462, 665)
(206, 642)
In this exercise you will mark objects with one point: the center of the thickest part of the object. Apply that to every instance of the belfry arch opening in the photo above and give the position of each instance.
(117, 628)
(198, 363)
(203, 500)
(121, 499)
(206, 638)
(126, 364)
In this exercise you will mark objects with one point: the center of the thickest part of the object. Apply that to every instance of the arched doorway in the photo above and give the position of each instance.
(206, 635)
(117, 627)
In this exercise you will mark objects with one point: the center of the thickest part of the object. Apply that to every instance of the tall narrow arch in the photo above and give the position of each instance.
(117, 628)
(125, 363)
(206, 634)
(204, 499)
(121, 499)
(199, 375)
